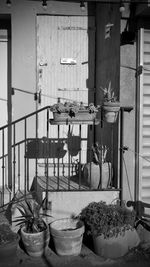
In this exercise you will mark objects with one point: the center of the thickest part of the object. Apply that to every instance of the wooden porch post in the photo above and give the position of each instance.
(9, 107)
(108, 67)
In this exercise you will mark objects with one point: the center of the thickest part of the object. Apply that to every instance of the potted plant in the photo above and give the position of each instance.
(67, 235)
(33, 229)
(73, 111)
(111, 227)
(98, 173)
(111, 106)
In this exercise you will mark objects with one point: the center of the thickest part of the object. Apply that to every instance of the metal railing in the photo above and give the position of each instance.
(43, 161)
(13, 176)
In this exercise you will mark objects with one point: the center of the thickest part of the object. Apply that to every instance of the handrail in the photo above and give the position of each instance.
(16, 144)
(24, 117)
(15, 169)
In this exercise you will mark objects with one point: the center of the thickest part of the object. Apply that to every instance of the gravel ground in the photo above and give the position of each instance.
(138, 257)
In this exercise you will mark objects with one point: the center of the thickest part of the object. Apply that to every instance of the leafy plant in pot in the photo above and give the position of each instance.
(111, 227)
(111, 106)
(98, 173)
(33, 229)
(8, 242)
(73, 111)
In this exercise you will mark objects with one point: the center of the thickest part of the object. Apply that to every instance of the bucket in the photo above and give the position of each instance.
(67, 235)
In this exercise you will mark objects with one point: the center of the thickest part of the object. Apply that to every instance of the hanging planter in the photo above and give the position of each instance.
(110, 111)
(82, 115)
(67, 235)
(111, 106)
(73, 112)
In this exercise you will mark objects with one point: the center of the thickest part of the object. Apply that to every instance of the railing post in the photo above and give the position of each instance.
(121, 150)
(122, 110)
(9, 146)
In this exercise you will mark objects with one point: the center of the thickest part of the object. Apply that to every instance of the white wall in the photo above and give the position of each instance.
(23, 20)
(65, 204)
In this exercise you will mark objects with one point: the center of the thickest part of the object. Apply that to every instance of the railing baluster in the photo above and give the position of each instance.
(3, 166)
(25, 167)
(80, 159)
(6, 175)
(115, 183)
(47, 153)
(19, 167)
(28, 184)
(14, 158)
(58, 175)
(36, 136)
(121, 150)
(69, 163)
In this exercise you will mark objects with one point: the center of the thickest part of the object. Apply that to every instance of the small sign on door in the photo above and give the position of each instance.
(68, 61)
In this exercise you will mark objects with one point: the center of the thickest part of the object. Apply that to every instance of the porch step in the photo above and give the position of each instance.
(40, 185)
(53, 184)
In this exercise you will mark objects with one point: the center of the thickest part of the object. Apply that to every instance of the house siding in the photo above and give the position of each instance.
(144, 138)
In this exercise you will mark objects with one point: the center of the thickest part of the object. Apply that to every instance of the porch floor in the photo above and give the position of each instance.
(64, 183)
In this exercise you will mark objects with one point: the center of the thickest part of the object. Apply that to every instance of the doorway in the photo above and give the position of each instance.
(65, 69)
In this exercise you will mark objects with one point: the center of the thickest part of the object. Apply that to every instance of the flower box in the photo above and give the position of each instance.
(82, 115)
(70, 112)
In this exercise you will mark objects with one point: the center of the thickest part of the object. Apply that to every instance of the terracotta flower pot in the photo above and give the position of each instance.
(67, 235)
(91, 173)
(35, 243)
(115, 247)
(110, 111)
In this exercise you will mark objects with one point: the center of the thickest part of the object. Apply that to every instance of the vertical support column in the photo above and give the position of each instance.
(108, 67)
(9, 98)
(121, 151)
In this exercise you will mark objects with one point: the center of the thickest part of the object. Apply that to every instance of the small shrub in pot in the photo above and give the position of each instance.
(111, 226)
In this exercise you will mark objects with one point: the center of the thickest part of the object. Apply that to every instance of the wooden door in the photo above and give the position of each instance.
(65, 64)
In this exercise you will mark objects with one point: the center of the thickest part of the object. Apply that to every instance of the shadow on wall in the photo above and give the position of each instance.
(45, 148)
(53, 148)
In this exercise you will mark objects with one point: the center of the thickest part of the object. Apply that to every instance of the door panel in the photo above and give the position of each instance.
(60, 38)
(65, 66)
